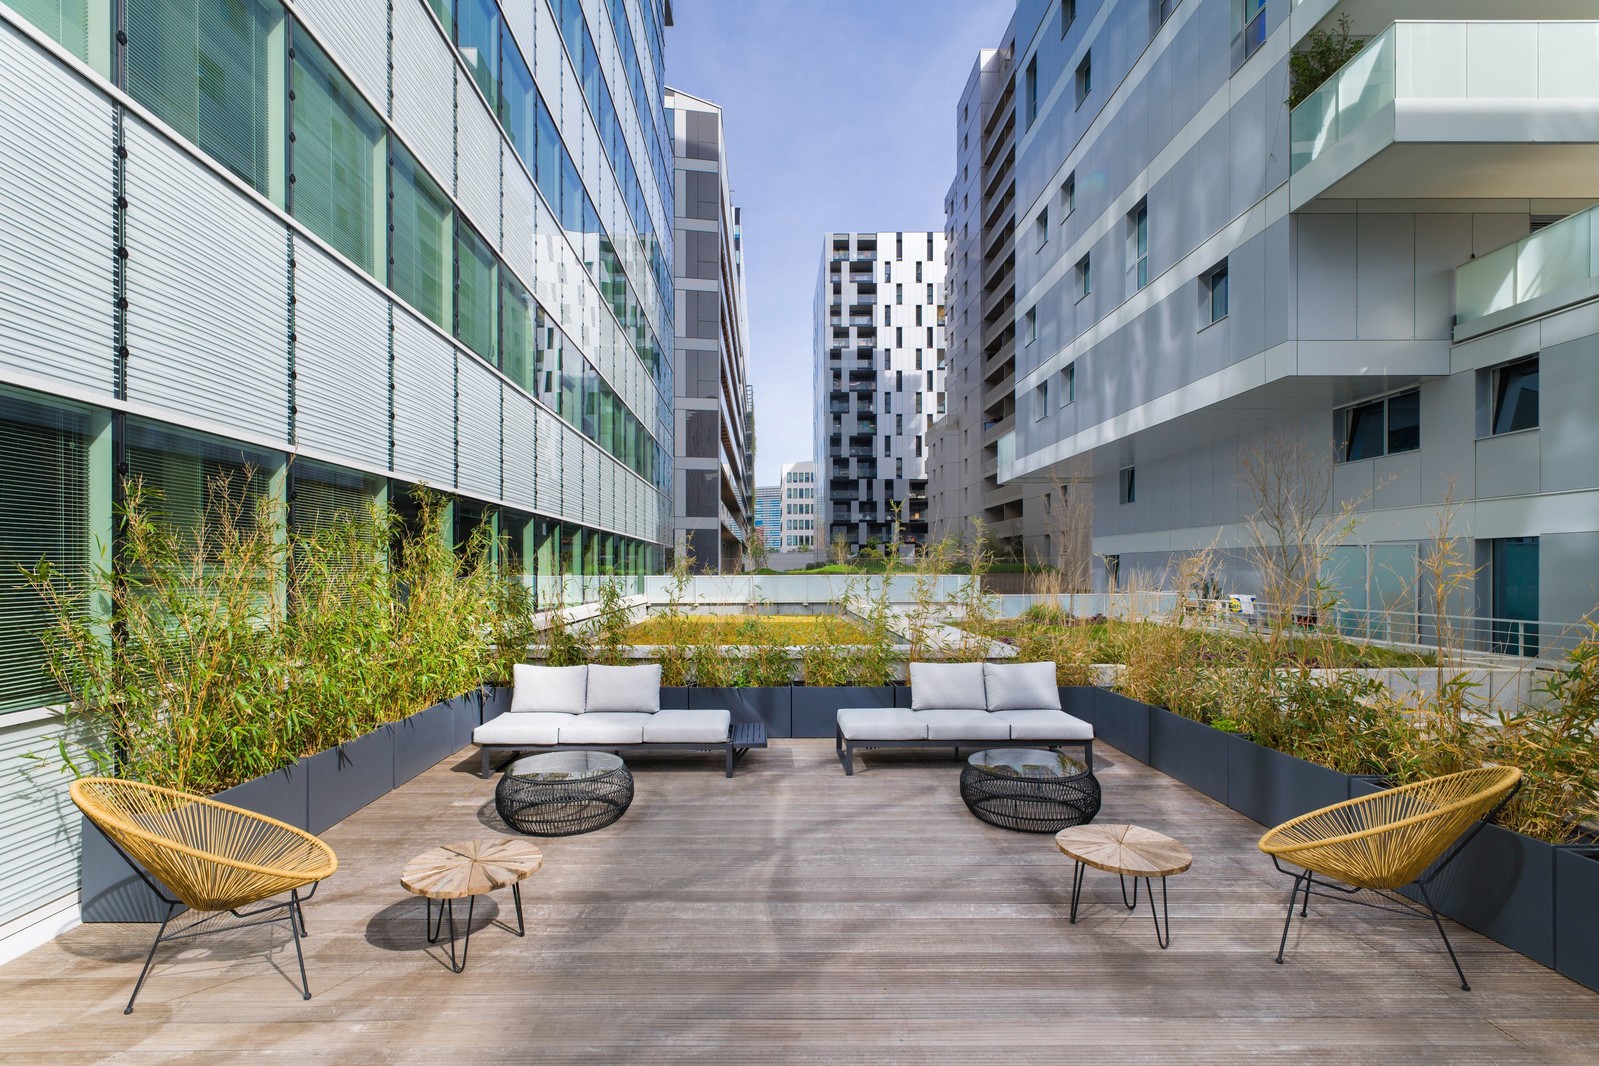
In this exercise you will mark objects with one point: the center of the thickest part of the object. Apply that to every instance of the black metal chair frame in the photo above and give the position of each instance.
(1161, 938)
(846, 748)
(447, 912)
(1395, 904)
(293, 909)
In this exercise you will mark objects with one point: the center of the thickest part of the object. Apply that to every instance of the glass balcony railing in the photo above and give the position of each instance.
(1445, 64)
(1562, 254)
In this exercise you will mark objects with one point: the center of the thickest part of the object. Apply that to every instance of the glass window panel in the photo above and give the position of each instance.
(213, 71)
(475, 322)
(82, 27)
(44, 514)
(422, 224)
(518, 106)
(477, 36)
(1516, 398)
(1404, 422)
(1363, 434)
(551, 152)
(516, 331)
(338, 159)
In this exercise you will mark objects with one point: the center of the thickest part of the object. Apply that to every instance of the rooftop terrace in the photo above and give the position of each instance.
(793, 913)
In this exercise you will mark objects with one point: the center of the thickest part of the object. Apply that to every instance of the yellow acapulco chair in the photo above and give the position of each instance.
(209, 855)
(1390, 839)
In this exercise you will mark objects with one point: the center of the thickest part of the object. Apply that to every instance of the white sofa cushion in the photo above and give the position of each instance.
(881, 723)
(1045, 725)
(1021, 686)
(626, 689)
(533, 728)
(946, 686)
(559, 689)
(604, 728)
(947, 724)
(687, 727)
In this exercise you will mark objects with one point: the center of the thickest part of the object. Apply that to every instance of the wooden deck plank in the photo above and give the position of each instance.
(794, 914)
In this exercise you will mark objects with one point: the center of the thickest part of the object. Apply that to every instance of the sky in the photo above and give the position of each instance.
(838, 116)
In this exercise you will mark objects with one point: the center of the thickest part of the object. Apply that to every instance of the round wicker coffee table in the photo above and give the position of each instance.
(563, 793)
(1127, 851)
(1028, 790)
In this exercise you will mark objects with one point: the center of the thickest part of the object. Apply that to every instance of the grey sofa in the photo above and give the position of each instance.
(968, 705)
(608, 708)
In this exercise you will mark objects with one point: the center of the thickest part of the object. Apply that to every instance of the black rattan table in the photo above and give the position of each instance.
(563, 792)
(1028, 790)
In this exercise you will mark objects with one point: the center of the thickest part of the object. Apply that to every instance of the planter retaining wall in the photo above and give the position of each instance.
(313, 794)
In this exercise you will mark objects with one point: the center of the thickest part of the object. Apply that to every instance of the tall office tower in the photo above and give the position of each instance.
(714, 453)
(1384, 271)
(798, 484)
(879, 386)
(980, 213)
(769, 516)
(349, 249)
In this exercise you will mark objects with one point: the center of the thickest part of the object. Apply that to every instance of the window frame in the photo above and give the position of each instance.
(1083, 78)
(1207, 296)
(1498, 384)
(1083, 277)
(1345, 423)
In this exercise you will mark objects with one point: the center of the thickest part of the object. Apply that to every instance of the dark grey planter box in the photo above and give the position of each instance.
(423, 740)
(496, 701)
(1577, 913)
(674, 698)
(1081, 701)
(815, 711)
(342, 780)
(902, 696)
(1502, 886)
(1272, 787)
(1190, 751)
(466, 714)
(1122, 723)
(111, 891)
(770, 705)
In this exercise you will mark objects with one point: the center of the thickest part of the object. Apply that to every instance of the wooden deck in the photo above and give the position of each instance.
(795, 914)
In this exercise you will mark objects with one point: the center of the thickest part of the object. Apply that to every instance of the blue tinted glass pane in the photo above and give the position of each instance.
(1404, 422)
(1363, 437)
(1516, 403)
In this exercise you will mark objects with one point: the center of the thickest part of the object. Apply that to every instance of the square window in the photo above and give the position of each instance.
(1516, 397)
(1041, 229)
(1084, 277)
(1068, 385)
(1068, 194)
(1041, 401)
(1030, 324)
(1085, 78)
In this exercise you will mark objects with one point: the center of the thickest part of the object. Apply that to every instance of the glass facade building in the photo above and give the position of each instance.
(353, 247)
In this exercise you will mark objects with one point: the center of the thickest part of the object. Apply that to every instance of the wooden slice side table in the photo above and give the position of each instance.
(467, 870)
(1127, 851)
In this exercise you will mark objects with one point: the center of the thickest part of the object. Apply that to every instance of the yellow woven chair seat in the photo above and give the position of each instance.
(214, 857)
(1388, 839)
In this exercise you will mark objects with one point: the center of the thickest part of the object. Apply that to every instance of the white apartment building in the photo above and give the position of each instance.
(1388, 270)
(799, 507)
(879, 385)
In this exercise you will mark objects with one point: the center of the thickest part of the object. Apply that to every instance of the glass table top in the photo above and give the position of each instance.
(564, 766)
(1027, 762)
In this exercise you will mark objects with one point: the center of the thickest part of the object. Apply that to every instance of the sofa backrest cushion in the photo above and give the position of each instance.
(624, 689)
(947, 687)
(1021, 686)
(561, 689)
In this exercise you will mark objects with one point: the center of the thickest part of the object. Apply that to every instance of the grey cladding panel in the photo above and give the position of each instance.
(424, 403)
(207, 293)
(702, 138)
(55, 220)
(521, 469)
(424, 90)
(355, 33)
(479, 428)
(702, 195)
(1325, 251)
(1386, 276)
(700, 255)
(341, 360)
(702, 315)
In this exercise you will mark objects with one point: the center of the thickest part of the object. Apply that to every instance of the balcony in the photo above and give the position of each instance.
(1554, 267)
(861, 320)
(1454, 110)
(861, 451)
